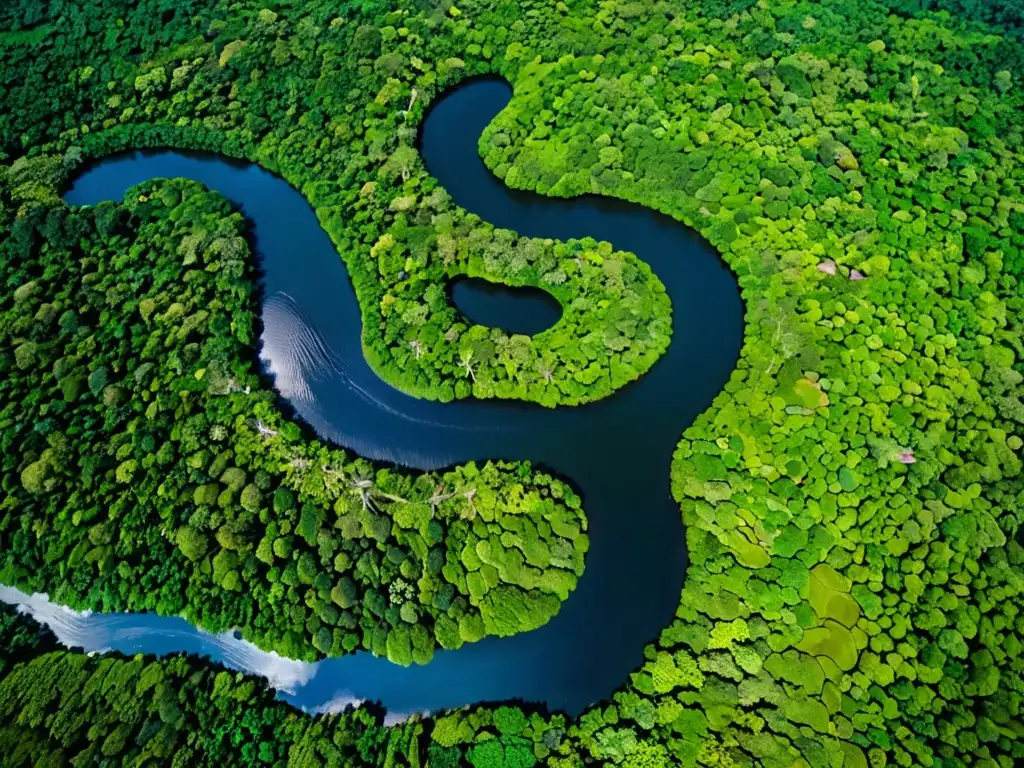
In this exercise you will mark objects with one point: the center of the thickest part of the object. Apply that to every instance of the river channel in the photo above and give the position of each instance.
(616, 452)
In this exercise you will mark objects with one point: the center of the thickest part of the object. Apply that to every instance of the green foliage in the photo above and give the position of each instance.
(170, 711)
(852, 500)
(187, 492)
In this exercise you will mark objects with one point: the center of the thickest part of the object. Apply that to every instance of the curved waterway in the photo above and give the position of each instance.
(616, 451)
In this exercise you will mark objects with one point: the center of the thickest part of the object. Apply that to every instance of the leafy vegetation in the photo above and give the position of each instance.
(402, 239)
(146, 469)
(853, 498)
(181, 711)
(172, 711)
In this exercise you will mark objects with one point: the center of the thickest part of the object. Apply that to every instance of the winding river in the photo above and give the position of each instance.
(616, 451)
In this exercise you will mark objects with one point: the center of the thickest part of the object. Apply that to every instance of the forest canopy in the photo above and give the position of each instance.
(852, 499)
(146, 466)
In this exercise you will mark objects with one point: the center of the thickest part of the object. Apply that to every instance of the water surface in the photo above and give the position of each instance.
(617, 451)
(515, 309)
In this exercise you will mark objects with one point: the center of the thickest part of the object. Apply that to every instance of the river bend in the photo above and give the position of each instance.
(617, 451)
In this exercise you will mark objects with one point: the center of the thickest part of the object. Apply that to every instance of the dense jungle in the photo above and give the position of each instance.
(852, 498)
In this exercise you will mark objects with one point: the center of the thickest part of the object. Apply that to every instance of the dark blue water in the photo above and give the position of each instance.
(616, 451)
(516, 309)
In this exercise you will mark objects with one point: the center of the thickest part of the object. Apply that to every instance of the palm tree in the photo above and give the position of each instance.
(366, 491)
(466, 362)
(263, 429)
(363, 488)
(470, 512)
(437, 498)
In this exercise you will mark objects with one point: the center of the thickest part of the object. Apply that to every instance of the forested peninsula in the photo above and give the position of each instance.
(852, 499)
(131, 402)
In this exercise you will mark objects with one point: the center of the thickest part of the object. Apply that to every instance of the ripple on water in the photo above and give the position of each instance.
(296, 356)
(312, 347)
(293, 353)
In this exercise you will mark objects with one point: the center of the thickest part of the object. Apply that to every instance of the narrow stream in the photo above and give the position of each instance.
(616, 451)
